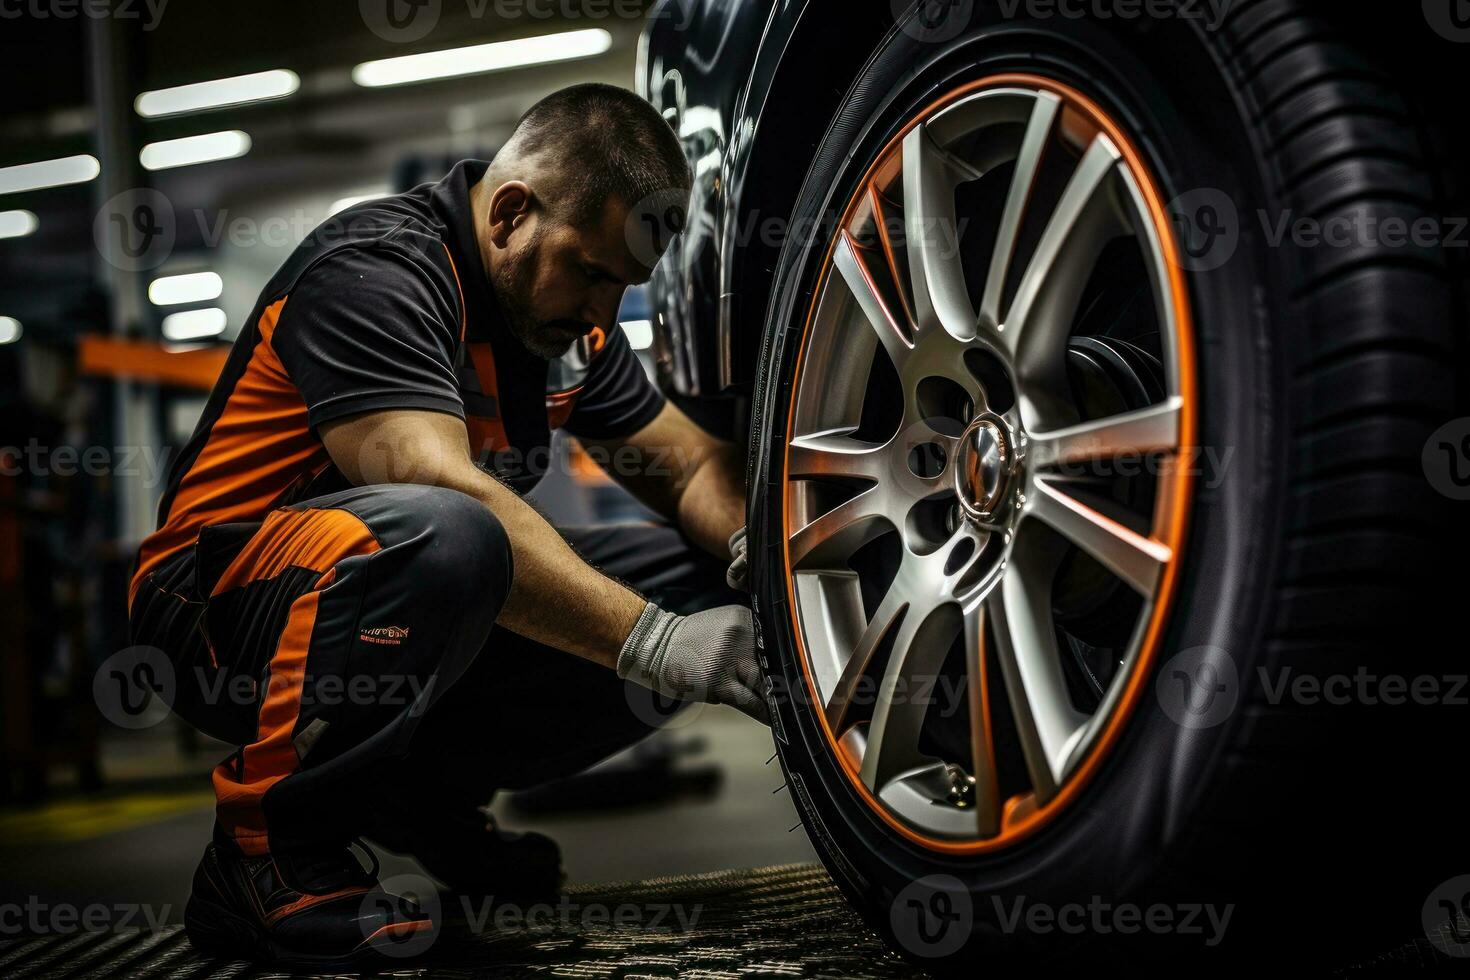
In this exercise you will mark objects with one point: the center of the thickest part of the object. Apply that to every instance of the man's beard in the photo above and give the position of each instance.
(512, 284)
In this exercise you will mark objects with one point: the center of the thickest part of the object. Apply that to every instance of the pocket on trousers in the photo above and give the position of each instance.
(171, 619)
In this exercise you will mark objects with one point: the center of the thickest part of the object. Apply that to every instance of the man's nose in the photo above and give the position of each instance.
(602, 307)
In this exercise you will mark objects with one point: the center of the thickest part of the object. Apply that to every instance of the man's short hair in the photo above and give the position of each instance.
(610, 143)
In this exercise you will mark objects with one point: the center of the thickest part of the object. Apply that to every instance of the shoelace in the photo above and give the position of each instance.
(333, 869)
(372, 856)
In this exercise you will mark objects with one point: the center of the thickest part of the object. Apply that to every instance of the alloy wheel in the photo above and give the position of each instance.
(987, 468)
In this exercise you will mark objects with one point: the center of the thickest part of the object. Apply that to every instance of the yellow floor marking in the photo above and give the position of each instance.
(75, 820)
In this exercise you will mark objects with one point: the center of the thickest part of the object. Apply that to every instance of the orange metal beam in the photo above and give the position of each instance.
(141, 360)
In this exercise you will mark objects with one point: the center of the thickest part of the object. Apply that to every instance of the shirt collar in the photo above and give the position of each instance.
(521, 375)
(451, 201)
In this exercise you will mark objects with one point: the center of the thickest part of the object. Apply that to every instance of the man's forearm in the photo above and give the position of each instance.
(555, 597)
(712, 504)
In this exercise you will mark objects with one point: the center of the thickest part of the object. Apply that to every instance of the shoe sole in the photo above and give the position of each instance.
(215, 930)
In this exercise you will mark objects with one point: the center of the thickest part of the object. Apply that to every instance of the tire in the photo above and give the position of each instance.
(1314, 552)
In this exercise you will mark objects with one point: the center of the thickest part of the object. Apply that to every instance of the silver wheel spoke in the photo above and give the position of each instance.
(1038, 129)
(1036, 326)
(1026, 646)
(893, 606)
(891, 335)
(834, 454)
(1135, 559)
(982, 740)
(931, 229)
(1149, 430)
(829, 540)
(904, 696)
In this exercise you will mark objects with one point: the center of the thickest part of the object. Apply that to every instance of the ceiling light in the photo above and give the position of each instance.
(275, 84)
(194, 287)
(48, 173)
(194, 324)
(479, 58)
(9, 330)
(195, 149)
(17, 224)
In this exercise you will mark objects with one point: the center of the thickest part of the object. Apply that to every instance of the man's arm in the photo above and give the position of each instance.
(682, 472)
(555, 597)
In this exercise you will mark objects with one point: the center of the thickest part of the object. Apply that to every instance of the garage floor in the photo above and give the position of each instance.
(774, 922)
(650, 892)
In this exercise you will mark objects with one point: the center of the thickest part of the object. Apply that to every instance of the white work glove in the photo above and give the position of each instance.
(707, 656)
(738, 574)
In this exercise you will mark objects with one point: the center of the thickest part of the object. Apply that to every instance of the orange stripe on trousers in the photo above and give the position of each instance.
(315, 539)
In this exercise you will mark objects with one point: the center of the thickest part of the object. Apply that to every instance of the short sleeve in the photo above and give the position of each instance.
(368, 329)
(617, 398)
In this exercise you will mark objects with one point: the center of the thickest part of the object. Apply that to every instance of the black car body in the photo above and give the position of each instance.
(751, 88)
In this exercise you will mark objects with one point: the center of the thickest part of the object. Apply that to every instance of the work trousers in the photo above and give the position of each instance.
(347, 645)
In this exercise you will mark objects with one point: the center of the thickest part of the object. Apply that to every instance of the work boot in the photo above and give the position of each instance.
(465, 849)
(313, 908)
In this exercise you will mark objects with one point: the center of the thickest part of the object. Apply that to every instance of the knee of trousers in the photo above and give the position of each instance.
(465, 552)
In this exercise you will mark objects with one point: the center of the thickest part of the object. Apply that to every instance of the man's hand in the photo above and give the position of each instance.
(707, 656)
(738, 574)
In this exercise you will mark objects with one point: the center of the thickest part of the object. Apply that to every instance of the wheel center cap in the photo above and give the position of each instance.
(983, 468)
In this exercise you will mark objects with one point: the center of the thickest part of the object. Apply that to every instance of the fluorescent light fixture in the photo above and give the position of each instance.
(48, 173)
(17, 224)
(194, 287)
(194, 324)
(479, 58)
(342, 204)
(275, 84)
(195, 149)
(9, 330)
(640, 333)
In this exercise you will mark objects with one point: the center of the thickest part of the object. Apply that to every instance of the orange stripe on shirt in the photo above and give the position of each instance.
(257, 447)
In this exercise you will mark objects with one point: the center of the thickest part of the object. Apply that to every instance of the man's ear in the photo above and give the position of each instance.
(510, 207)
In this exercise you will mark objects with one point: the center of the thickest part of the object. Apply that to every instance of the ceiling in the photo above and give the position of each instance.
(331, 139)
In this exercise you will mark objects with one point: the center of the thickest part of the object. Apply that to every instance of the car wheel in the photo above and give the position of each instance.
(1073, 454)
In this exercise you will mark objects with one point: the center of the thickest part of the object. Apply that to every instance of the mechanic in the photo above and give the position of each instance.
(348, 515)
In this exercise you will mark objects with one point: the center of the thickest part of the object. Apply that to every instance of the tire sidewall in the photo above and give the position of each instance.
(1161, 81)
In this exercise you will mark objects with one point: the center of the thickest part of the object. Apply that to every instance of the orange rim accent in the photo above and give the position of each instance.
(1022, 816)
